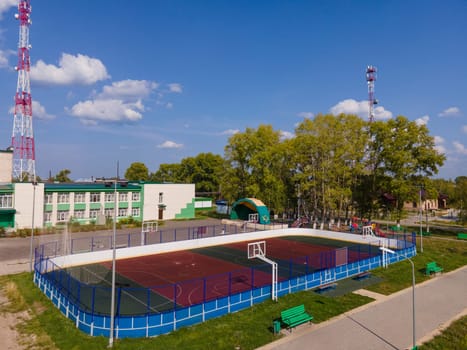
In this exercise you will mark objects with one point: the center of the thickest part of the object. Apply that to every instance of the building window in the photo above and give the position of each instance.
(93, 213)
(6, 201)
(95, 197)
(48, 198)
(80, 197)
(122, 212)
(48, 216)
(161, 197)
(109, 197)
(123, 197)
(109, 212)
(63, 197)
(79, 214)
(135, 196)
(134, 211)
(62, 215)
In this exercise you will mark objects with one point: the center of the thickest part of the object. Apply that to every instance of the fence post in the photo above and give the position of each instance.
(148, 301)
(119, 301)
(93, 301)
(204, 289)
(252, 278)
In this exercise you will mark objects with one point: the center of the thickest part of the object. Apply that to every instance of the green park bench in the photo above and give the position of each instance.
(462, 235)
(295, 316)
(432, 267)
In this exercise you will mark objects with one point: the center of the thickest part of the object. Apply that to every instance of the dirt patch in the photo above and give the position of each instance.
(8, 322)
(14, 315)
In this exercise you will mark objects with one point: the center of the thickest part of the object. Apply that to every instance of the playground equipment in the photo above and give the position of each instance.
(300, 222)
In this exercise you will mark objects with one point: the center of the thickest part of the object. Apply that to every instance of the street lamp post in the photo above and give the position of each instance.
(421, 221)
(414, 341)
(108, 183)
(114, 235)
(31, 245)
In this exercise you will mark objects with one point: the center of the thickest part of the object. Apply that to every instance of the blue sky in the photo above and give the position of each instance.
(158, 81)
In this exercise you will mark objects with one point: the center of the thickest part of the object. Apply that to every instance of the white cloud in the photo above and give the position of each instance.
(422, 120)
(121, 101)
(3, 59)
(287, 135)
(175, 87)
(127, 89)
(360, 108)
(5, 6)
(439, 145)
(459, 147)
(230, 132)
(450, 112)
(307, 115)
(38, 111)
(92, 111)
(170, 144)
(71, 70)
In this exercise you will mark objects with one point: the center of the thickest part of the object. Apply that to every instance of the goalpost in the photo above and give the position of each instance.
(146, 228)
(367, 231)
(258, 250)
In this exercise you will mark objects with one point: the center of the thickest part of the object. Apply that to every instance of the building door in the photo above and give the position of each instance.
(161, 214)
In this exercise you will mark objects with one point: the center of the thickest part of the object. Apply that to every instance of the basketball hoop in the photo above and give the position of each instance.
(258, 250)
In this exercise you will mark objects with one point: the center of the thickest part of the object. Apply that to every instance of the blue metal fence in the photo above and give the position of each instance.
(139, 311)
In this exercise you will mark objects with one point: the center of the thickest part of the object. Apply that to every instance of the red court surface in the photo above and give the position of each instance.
(286, 249)
(189, 278)
(193, 276)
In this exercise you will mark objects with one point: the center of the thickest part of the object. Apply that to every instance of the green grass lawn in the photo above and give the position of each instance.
(246, 329)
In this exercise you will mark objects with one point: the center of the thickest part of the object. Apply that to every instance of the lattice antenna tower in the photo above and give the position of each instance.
(22, 140)
(372, 101)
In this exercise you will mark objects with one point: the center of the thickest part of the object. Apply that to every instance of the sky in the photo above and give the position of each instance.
(117, 82)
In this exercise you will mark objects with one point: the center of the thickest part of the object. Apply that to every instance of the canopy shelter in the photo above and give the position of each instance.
(242, 209)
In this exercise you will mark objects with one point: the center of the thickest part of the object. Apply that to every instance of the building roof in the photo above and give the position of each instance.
(88, 186)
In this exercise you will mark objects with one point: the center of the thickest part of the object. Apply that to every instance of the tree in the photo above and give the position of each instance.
(137, 172)
(255, 162)
(402, 155)
(204, 171)
(62, 176)
(328, 152)
(167, 173)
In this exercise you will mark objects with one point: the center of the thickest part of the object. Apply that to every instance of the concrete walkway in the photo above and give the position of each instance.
(386, 323)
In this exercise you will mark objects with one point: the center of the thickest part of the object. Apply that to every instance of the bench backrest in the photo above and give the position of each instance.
(462, 235)
(296, 310)
(431, 265)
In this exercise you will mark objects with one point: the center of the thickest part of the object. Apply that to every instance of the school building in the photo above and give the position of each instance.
(51, 204)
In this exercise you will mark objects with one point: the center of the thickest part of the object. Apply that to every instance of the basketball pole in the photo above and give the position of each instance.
(114, 235)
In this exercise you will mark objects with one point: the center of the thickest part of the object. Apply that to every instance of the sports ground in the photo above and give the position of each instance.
(160, 282)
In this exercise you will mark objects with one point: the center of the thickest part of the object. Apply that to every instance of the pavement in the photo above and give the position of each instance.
(386, 323)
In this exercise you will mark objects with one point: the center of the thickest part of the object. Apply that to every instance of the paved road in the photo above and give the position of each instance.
(387, 322)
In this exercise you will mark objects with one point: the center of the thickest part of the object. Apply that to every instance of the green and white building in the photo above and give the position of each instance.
(51, 204)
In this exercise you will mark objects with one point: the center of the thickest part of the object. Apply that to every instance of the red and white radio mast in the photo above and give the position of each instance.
(371, 78)
(22, 140)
